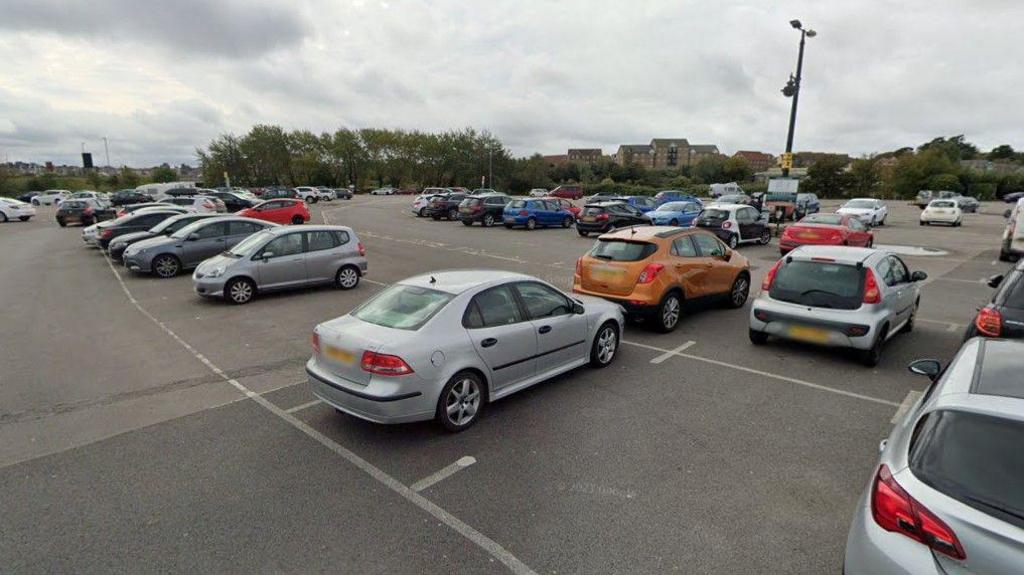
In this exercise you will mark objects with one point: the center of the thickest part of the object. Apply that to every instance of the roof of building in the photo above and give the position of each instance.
(635, 147)
(683, 142)
(754, 155)
(704, 148)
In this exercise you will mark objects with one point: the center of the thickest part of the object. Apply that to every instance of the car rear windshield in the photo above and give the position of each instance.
(403, 307)
(713, 215)
(830, 219)
(1013, 295)
(592, 211)
(470, 202)
(976, 459)
(622, 250)
(74, 205)
(943, 204)
(517, 204)
(818, 284)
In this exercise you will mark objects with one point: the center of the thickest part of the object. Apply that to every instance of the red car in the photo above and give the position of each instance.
(826, 229)
(571, 192)
(566, 205)
(280, 211)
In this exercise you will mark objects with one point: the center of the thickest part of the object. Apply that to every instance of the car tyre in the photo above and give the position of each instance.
(3, 218)
(35, 203)
(673, 222)
(740, 291)
(347, 277)
(240, 291)
(461, 402)
(567, 223)
(766, 236)
(297, 220)
(872, 357)
(757, 337)
(23, 218)
(909, 326)
(420, 213)
(467, 223)
(734, 240)
(531, 224)
(605, 346)
(582, 233)
(453, 214)
(668, 312)
(488, 220)
(166, 266)
(62, 223)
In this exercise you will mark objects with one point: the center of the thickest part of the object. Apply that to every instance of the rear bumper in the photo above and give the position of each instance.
(361, 403)
(591, 227)
(786, 246)
(871, 549)
(632, 307)
(836, 328)
(515, 220)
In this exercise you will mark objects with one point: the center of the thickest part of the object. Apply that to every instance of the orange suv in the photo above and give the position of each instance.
(652, 270)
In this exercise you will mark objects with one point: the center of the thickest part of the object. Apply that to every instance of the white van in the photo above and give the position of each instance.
(156, 190)
(729, 189)
(1013, 238)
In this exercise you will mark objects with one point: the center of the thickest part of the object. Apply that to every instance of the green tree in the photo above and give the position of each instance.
(1003, 152)
(163, 173)
(945, 182)
(913, 171)
(828, 178)
(94, 178)
(865, 177)
(710, 170)
(129, 178)
(737, 169)
(955, 147)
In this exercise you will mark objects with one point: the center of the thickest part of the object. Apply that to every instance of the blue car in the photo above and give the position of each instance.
(807, 204)
(666, 196)
(531, 213)
(642, 203)
(676, 213)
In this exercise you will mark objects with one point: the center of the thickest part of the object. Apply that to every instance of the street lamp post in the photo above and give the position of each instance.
(792, 88)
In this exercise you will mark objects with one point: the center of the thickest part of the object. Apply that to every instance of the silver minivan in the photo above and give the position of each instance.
(280, 258)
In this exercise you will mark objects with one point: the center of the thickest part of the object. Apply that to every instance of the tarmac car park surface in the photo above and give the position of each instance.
(151, 430)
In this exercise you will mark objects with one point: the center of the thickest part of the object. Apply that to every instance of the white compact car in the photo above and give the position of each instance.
(942, 212)
(538, 193)
(869, 211)
(1012, 246)
(50, 198)
(11, 208)
(310, 194)
(383, 192)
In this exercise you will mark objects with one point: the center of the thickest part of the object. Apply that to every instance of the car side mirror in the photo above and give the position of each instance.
(266, 255)
(1007, 214)
(192, 237)
(918, 276)
(930, 368)
(994, 281)
(578, 309)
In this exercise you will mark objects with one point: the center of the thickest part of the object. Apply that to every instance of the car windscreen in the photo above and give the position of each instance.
(73, 205)
(470, 202)
(830, 219)
(622, 250)
(818, 284)
(860, 204)
(671, 207)
(973, 458)
(592, 211)
(172, 224)
(251, 243)
(516, 204)
(1013, 295)
(403, 307)
(714, 216)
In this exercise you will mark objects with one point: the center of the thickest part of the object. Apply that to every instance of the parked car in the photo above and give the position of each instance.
(50, 197)
(922, 198)
(945, 494)
(566, 205)
(234, 201)
(207, 204)
(27, 197)
(826, 229)
(309, 194)
(383, 192)
(487, 209)
(1013, 197)
(870, 211)
(732, 199)
(1004, 314)
(665, 196)
(600, 197)
(127, 209)
(606, 216)
(837, 296)
(126, 197)
(942, 212)
(968, 204)
(278, 211)
(277, 193)
(420, 203)
(326, 194)
(531, 213)
(538, 193)
(11, 208)
(497, 332)
(729, 189)
(569, 192)
(85, 212)
(642, 203)
(343, 193)
(444, 206)
(779, 206)
(652, 271)
(166, 227)
(1012, 245)
(735, 224)
(676, 213)
(281, 258)
(166, 256)
(476, 192)
(139, 221)
(807, 203)
(180, 192)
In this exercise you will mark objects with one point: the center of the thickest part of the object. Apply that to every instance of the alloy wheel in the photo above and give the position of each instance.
(463, 402)
(670, 312)
(607, 345)
(766, 237)
(740, 291)
(733, 241)
(166, 266)
(488, 220)
(348, 278)
(240, 292)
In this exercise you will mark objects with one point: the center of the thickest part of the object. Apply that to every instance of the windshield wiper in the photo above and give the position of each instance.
(826, 292)
(609, 258)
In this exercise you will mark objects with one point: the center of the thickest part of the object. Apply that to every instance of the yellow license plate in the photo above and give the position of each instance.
(809, 334)
(339, 355)
(588, 218)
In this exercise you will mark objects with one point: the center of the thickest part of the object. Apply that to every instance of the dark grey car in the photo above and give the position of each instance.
(187, 247)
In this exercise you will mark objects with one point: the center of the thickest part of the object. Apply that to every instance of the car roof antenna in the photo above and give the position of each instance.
(433, 280)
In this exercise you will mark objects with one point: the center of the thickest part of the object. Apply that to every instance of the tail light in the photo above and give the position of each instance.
(87, 211)
(766, 283)
(726, 225)
(315, 340)
(602, 217)
(895, 510)
(579, 266)
(871, 292)
(106, 233)
(209, 206)
(649, 273)
(384, 364)
(524, 213)
(362, 249)
(989, 322)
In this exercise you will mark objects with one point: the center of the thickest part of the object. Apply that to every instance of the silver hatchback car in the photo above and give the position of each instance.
(166, 256)
(947, 495)
(442, 345)
(281, 258)
(838, 296)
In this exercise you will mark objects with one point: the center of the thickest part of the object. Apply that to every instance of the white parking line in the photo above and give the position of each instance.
(950, 326)
(675, 351)
(303, 406)
(908, 401)
(765, 374)
(961, 280)
(484, 542)
(443, 474)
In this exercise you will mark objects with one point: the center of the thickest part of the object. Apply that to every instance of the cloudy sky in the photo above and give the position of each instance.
(159, 78)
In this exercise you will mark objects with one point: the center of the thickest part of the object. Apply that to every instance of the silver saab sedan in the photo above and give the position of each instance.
(443, 345)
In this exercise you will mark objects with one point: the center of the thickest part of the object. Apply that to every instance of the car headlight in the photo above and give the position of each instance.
(215, 272)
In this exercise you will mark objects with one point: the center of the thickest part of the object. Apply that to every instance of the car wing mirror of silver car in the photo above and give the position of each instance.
(577, 308)
(994, 281)
(918, 276)
(930, 368)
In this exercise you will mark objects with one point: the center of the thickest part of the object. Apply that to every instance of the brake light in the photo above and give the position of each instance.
(87, 211)
(895, 510)
(989, 322)
(384, 364)
(601, 217)
(316, 342)
(106, 233)
(871, 292)
(362, 249)
(766, 283)
(649, 273)
(208, 205)
(726, 225)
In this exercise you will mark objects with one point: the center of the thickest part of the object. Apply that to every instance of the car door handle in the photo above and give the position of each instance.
(544, 329)
(488, 342)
